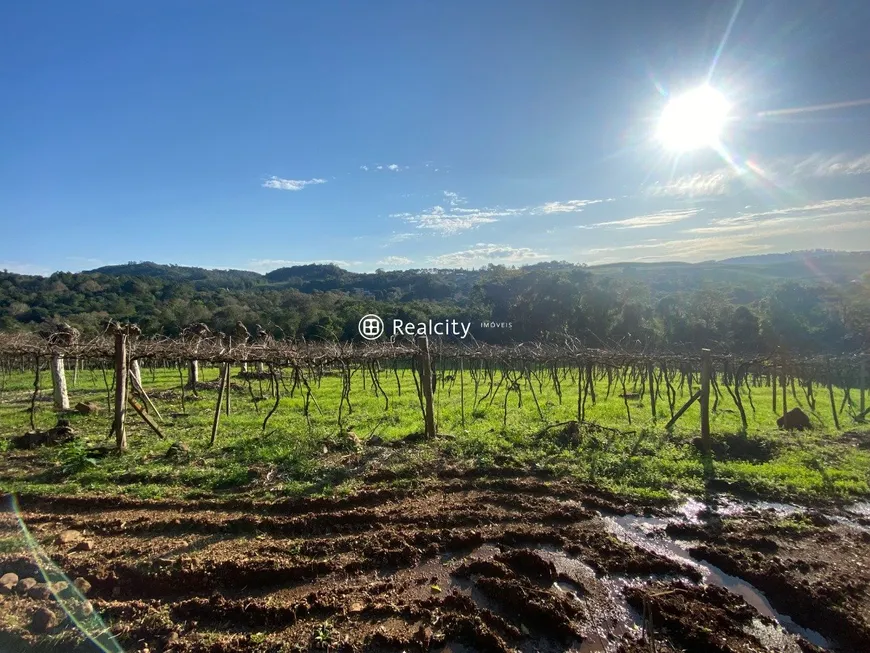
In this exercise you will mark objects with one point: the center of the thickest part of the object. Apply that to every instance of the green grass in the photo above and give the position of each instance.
(295, 457)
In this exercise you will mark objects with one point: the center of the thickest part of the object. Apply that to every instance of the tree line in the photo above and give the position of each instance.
(677, 309)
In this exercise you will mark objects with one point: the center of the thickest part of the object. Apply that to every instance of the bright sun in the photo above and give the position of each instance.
(693, 120)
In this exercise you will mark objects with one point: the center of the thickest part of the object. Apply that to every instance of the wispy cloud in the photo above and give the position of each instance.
(825, 210)
(392, 167)
(454, 199)
(290, 184)
(571, 206)
(645, 221)
(819, 165)
(782, 170)
(86, 261)
(395, 261)
(454, 220)
(820, 224)
(457, 217)
(483, 253)
(397, 238)
(702, 184)
(25, 268)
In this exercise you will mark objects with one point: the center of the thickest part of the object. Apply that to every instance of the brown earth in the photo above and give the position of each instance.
(809, 565)
(458, 564)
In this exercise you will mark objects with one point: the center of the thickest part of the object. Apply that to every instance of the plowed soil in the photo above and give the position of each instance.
(457, 564)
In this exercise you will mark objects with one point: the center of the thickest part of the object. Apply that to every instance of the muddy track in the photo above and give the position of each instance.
(458, 563)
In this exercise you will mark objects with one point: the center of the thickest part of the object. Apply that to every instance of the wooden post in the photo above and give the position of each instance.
(773, 383)
(138, 389)
(58, 382)
(462, 390)
(652, 390)
(136, 371)
(831, 397)
(75, 372)
(193, 374)
(141, 412)
(227, 381)
(862, 380)
(706, 373)
(217, 406)
(682, 410)
(119, 426)
(784, 388)
(590, 383)
(426, 383)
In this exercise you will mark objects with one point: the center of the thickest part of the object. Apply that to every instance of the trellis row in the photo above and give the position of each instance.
(659, 374)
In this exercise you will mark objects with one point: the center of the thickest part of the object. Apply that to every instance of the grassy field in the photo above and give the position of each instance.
(296, 456)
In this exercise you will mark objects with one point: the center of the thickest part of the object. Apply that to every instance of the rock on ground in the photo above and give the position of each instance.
(69, 537)
(42, 620)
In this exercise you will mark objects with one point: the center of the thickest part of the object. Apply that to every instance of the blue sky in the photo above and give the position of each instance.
(423, 133)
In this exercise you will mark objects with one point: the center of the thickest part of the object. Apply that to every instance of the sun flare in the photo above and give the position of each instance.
(693, 120)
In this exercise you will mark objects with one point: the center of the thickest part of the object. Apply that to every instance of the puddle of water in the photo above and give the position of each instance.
(636, 530)
(849, 523)
(771, 637)
(696, 511)
(609, 616)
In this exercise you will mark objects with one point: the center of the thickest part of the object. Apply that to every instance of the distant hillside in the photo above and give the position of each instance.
(804, 300)
(758, 272)
(180, 273)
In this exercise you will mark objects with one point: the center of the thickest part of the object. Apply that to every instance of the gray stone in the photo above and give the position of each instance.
(42, 620)
(82, 585)
(40, 592)
(69, 537)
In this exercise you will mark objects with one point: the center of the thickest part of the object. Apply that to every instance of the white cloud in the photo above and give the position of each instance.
(819, 165)
(268, 264)
(394, 167)
(25, 268)
(701, 184)
(86, 261)
(290, 184)
(783, 170)
(645, 221)
(453, 221)
(395, 261)
(835, 224)
(571, 206)
(457, 218)
(364, 168)
(483, 253)
(454, 199)
(807, 213)
(396, 238)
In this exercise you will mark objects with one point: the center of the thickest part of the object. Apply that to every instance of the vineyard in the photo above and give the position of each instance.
(247, 493)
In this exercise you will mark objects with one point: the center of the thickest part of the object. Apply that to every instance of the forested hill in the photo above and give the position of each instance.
(812, 301)
(834, 267)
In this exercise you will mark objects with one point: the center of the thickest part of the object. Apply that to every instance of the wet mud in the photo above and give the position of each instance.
(461, 563)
